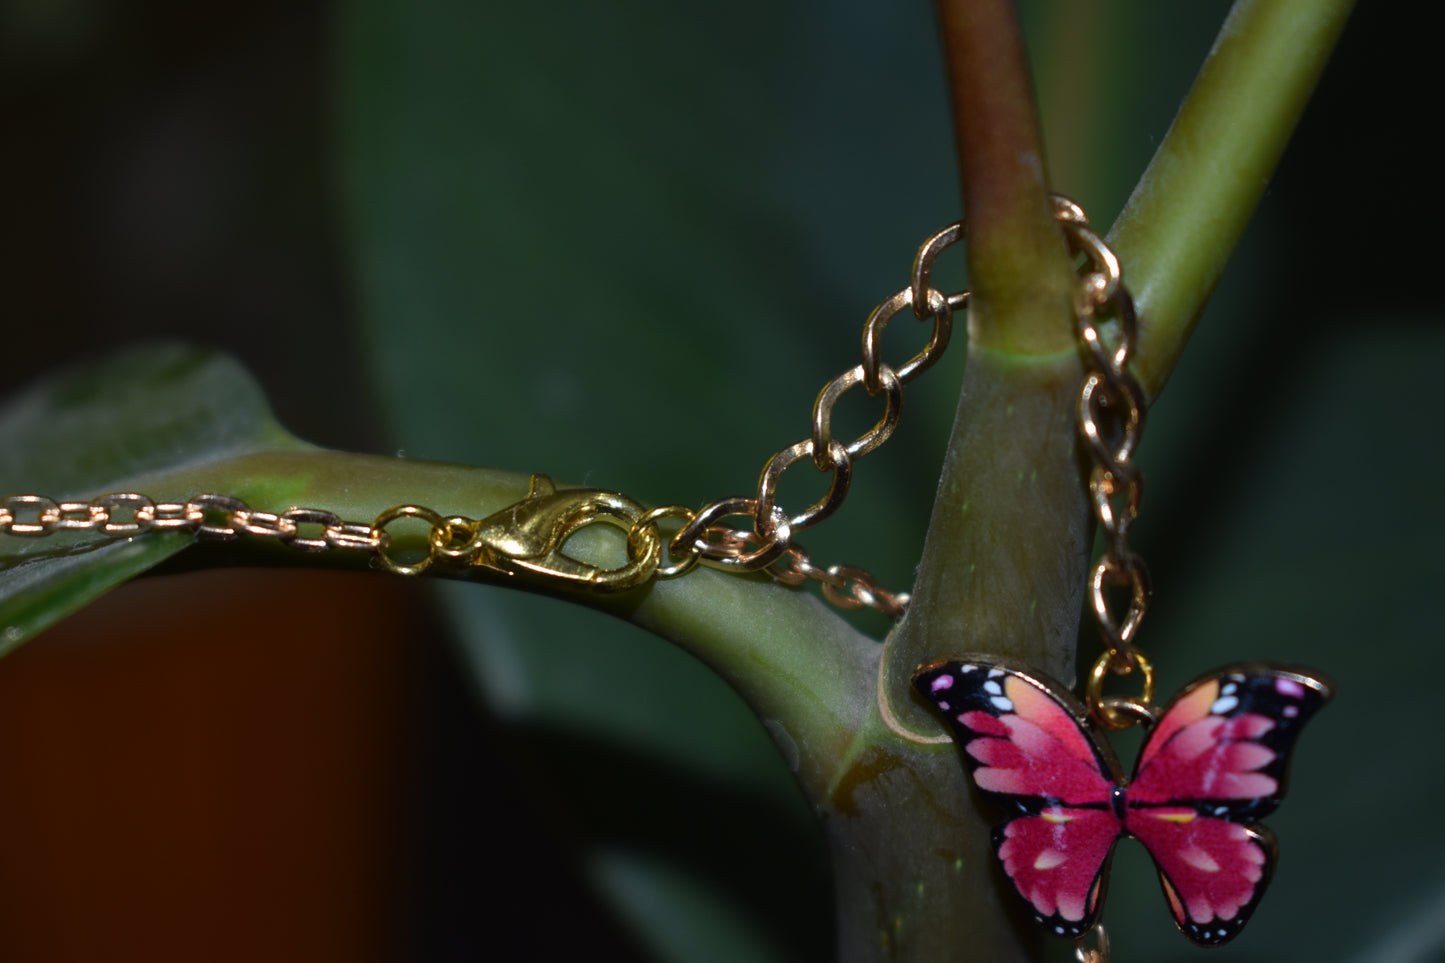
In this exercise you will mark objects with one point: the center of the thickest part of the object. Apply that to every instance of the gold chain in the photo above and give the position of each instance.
(1099, 952)
(769, 539)
(216, 517)
(1111, 422)
(525, 539)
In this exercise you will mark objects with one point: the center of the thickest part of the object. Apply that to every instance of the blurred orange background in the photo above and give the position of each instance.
(182, 780)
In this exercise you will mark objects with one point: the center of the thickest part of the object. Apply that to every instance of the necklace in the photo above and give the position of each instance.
(525, 541)
(1215, 759)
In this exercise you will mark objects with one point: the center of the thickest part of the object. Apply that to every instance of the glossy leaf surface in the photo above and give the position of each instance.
(115, 425)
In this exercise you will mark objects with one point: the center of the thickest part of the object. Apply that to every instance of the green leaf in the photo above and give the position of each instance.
(632, 272)
(627, 247)
(123, 424)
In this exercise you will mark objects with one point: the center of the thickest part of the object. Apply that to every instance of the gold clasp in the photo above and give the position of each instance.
(526, 538)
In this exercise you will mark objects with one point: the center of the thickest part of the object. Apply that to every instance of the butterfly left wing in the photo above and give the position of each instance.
(1028, 750)
(1218, 758)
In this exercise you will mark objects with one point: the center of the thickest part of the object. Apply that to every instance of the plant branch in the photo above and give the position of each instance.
(1002, 567)
(1018, 265)
(1004, 561)
(807, 674)
(1194, 201)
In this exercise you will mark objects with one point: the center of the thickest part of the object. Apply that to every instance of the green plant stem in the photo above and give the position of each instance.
(1002, 572)
(1018, 264)
(1008, 500)
(912, 871)
(1007, 549)
(1189, 210)
(805, 672)
(913, 864)
(1008, 575)
(1004, 561)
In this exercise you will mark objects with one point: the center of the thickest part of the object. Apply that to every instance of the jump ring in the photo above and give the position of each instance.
(443, 538)
(1111, 711)
(649, 519)
(378, 533)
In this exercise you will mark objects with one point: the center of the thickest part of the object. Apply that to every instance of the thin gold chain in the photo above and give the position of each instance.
(1099, 952)
(767, 543)
(209, 516)
(525, 539)
(1111, 421)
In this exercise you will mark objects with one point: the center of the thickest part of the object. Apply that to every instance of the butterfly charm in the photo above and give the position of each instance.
(1216, 760)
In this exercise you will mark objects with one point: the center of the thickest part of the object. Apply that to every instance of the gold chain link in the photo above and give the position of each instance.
(209, 516)
(525, 539)
(768, 539)
(1099, 952)
(1111, 421)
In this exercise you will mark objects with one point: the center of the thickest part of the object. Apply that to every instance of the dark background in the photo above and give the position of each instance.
(181, 783)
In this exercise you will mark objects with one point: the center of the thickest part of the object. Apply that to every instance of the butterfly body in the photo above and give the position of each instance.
(1216, 760)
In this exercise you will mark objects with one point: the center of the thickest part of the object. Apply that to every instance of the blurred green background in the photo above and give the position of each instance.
(626, 246)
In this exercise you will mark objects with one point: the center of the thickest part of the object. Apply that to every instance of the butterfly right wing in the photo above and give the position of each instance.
(1030, 752)
(1218, 759)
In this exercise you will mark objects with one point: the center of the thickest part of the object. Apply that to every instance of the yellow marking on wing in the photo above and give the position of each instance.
(1050, 858)
(1175, 817)
(1056, 817)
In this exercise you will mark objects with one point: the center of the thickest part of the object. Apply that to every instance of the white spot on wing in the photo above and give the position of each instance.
(1001, 703)
(993, 688)
(1199, 859)
(995, 673)
(1224, 704)
(942, 682)
(1289, 712)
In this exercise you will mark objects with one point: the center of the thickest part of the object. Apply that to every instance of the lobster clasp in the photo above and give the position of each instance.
(526, 538)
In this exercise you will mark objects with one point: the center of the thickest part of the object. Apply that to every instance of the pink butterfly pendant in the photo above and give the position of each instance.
(1216, 760)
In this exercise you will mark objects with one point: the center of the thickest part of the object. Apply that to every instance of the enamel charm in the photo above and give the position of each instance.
(1216, 760)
